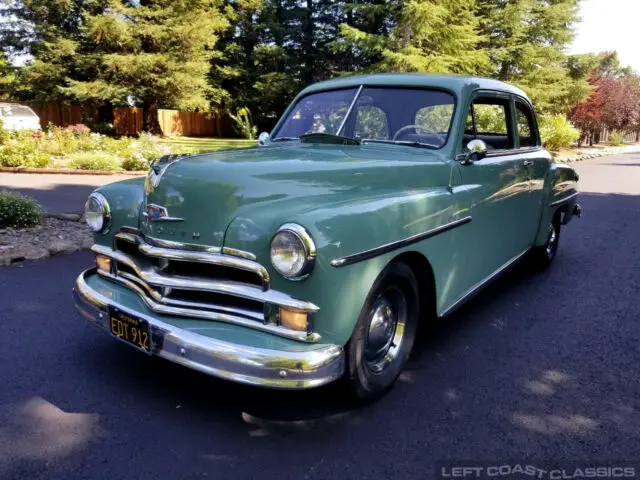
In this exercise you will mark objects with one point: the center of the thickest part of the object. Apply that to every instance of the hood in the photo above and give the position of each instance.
(204, 193)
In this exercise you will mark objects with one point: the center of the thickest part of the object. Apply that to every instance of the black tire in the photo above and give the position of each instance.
(542, 257)
(372, 372)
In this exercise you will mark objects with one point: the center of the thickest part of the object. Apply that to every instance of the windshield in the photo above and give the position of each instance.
(397, 115)
(15, 110)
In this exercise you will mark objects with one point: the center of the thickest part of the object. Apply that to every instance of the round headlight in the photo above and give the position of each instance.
(97, 213)
(293, 252)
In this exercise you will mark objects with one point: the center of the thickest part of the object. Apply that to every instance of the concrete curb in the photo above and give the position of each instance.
(604, 153)
(69, 171)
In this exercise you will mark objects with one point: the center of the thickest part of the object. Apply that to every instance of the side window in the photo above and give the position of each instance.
(492, 125)
(371, 122)
(525, 125)
(435, 118)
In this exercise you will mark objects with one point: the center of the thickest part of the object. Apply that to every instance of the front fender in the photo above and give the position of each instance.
(344, 229)
(125, 200)
(560, 195)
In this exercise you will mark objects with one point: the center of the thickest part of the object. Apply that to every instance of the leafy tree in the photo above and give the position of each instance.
(587, 115)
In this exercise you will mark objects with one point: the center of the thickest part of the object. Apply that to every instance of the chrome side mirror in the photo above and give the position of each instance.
(264, 139)
(476, 150)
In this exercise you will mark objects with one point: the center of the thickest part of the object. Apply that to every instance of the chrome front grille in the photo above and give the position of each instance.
(204, 283)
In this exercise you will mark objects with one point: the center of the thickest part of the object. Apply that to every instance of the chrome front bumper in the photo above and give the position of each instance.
(283, 369)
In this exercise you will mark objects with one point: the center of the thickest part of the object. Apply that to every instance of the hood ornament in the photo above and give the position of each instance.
(158, 213)
(158, 167)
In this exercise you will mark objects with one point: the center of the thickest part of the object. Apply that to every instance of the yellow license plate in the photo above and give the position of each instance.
(129, 328)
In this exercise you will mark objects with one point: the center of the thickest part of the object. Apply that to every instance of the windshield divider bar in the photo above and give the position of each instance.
(346, 117)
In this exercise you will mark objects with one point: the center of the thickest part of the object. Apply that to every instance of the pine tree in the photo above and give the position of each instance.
(526, 41)
(427, 36)
(152, 53)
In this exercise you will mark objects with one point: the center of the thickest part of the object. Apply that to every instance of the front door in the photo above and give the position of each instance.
(496, 189)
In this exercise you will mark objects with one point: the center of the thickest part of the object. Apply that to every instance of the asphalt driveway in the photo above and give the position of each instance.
(542, 369)
(57, 193)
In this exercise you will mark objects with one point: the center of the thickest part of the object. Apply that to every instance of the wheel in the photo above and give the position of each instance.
(384, 334)
(543, 256)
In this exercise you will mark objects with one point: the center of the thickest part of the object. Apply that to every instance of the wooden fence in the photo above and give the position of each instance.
(127, 121)
(56, 113)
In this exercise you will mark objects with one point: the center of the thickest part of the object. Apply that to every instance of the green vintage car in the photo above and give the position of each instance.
(376, 204)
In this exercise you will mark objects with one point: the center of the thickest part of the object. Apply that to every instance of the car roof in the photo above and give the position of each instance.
(455, 83)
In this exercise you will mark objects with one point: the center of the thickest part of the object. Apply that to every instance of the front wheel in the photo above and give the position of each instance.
(384, 334)
(543, 256)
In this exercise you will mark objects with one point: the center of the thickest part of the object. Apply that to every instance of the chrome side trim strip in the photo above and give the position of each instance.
(287, 369)
(150, 274)
(216, 316)
(374, 252)
(480, 285)
(562, 200)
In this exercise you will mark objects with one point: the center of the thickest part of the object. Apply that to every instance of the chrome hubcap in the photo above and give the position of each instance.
(553, 237)
(384, 334)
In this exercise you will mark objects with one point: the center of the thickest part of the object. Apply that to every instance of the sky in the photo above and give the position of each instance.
(610, 25)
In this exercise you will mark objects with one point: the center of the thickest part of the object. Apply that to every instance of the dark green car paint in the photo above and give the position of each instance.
(353, 198)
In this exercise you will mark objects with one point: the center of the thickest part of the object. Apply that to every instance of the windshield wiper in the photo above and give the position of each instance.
(403, 142)
(284, 139)
(328, 138)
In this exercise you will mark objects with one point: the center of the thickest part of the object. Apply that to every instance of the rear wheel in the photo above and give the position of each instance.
(384, 334)
(543, 256)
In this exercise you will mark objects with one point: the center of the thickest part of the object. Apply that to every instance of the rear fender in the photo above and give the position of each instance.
(560, 196)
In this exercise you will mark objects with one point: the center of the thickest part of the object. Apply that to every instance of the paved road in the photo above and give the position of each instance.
(57, 193)
(542, 368)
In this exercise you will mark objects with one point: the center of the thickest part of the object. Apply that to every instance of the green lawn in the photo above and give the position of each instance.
(208, 144)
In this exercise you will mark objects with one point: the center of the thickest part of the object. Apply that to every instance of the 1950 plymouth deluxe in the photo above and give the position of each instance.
(377, 203)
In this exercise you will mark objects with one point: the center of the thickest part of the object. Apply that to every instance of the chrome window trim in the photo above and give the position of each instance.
(353, 103)
(382, 249)
(153, 276)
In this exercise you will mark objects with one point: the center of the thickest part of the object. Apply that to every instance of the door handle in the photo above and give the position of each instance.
(527, 163)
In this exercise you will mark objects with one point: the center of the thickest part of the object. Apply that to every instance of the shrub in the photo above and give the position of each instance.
(93, 161)
(24, 153)
(135, 162)
(18, 211)
(5, 135)
(616, 138)
(78, 129)
(556, 132)
(244, 123)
